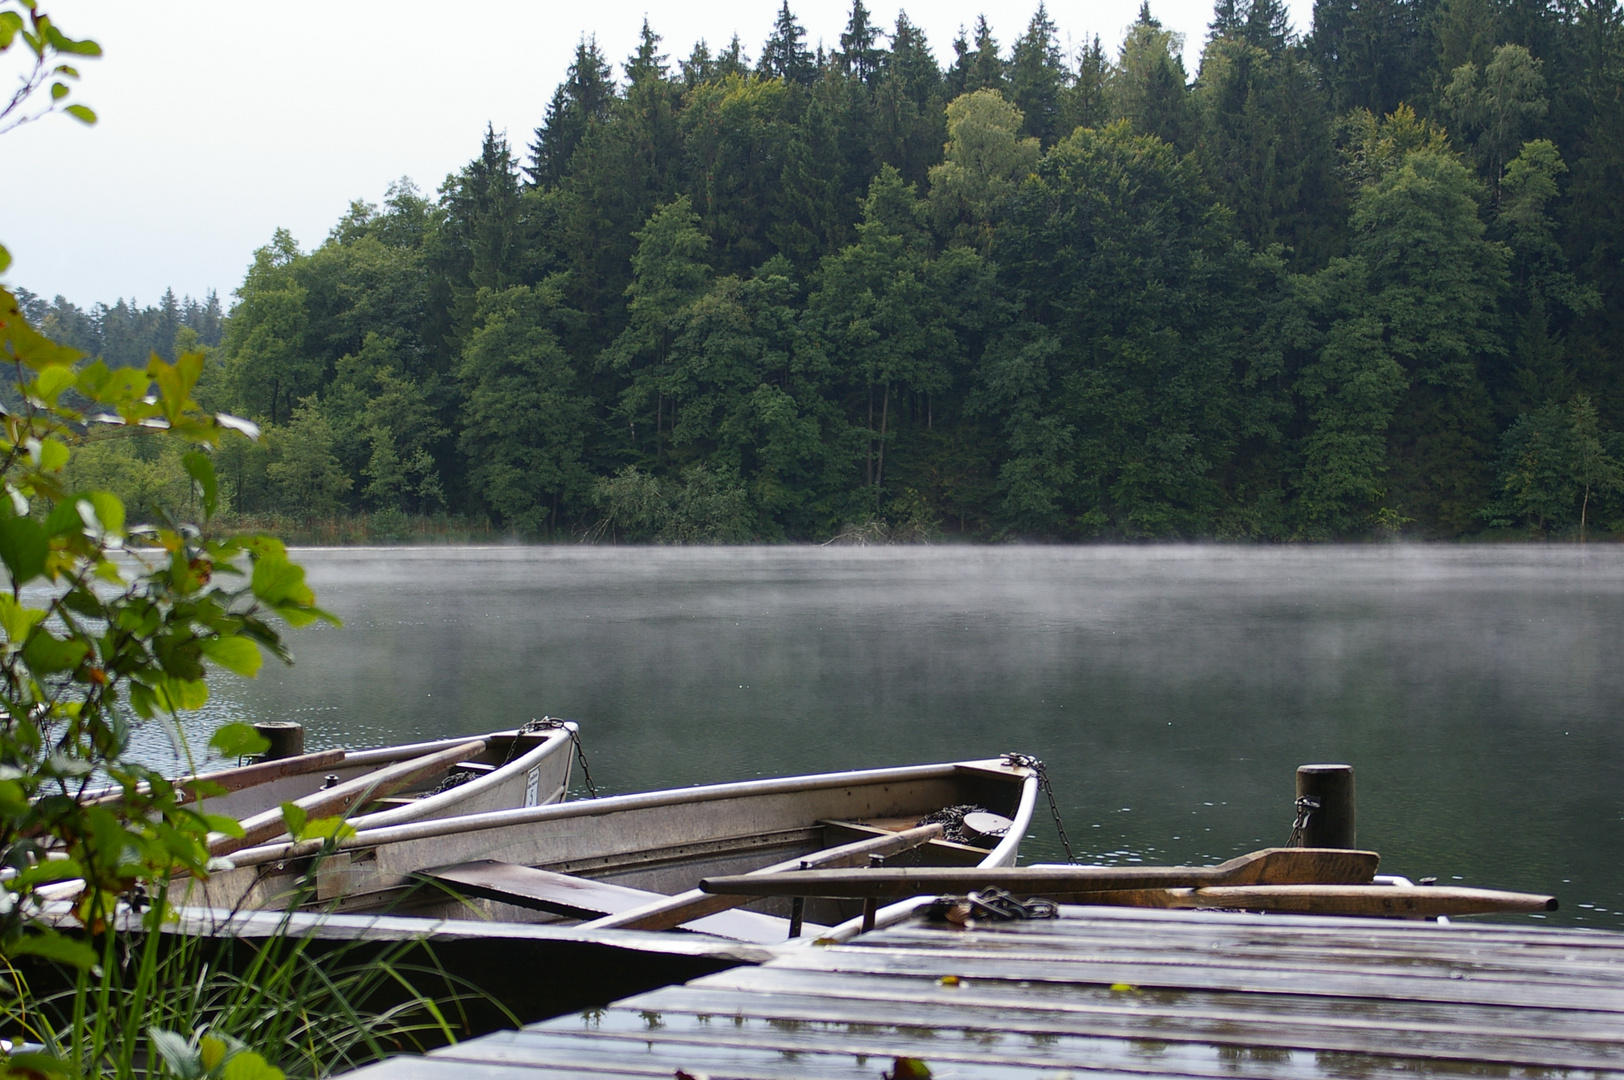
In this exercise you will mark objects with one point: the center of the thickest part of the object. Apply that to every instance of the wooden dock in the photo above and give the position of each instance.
(1107, 991)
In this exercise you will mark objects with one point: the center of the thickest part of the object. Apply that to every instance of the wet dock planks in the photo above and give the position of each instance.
(1108, 992)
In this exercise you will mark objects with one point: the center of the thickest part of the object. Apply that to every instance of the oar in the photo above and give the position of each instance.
(341, 798)
(1414, 901)
(685, 907)
(1271, 866)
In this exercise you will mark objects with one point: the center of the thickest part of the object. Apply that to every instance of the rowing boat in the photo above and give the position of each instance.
(389, 785)
(635, 861)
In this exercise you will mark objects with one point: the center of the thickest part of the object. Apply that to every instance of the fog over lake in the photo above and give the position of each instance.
(1172, 690)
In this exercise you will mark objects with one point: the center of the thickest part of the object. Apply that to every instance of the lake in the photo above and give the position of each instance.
(1172, 690)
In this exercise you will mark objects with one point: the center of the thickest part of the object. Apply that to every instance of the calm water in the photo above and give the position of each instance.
(1172, 690)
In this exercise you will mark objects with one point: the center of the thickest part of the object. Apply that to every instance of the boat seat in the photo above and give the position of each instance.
(582, 898)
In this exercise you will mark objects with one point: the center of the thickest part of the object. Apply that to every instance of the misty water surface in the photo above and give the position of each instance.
(1172, 690)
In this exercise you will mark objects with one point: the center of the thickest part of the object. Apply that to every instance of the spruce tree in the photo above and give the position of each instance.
(987, 68)
(860, 54)
(785, 55)
(1037, 77)
(581, 100)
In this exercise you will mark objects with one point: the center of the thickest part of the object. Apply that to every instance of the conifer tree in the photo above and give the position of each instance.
(860, 54)
(785, 55)
(986, 69)
(1038, 77)
(581, 100)
(1148, 87)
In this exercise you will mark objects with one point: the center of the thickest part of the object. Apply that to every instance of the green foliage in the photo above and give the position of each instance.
(1302, 297)
(707, 507)
(1554, 467)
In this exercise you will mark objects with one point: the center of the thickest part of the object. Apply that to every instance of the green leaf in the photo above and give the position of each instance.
(23, 546)
(220, 823)
(51, 945)
(200, 467)
(247, 1065)
(109, 511)
(294, 818)
(59, 91)
(64, 519)
(187, 693)
(36, 1064)
(15, 620)
(82, 113)
(236, 654)
(52, 381)
(277, 581)
(327, 828)
(45, 652)
(5, 255)
(239, 740)
(213, 1051)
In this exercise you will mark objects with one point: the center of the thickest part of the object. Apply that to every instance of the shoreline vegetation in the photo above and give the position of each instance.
(1348, 281)
(404, 530)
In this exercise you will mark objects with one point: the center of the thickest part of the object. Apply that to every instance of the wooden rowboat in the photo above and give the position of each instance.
(391, 785)
(635, 861)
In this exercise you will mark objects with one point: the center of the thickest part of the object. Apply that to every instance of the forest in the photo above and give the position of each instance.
(1362, 280)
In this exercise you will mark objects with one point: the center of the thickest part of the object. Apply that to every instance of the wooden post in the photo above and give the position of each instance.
(1332, 824)
(285, 736)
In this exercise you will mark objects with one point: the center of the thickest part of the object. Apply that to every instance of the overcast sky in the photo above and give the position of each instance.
(224, 119)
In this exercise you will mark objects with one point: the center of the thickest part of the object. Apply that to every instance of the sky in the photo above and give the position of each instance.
(223, 121)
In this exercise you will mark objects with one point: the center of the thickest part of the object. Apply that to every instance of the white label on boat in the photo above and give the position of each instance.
(532, 786)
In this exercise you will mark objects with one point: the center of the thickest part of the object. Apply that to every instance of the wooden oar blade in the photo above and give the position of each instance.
(1300, 866)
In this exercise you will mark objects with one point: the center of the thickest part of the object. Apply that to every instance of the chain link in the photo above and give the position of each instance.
(1027, 761)
(552, 723)
(1306, 805)
(990, 903)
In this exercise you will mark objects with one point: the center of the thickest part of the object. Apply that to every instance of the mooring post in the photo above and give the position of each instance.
(285, 736)
(1330, 824)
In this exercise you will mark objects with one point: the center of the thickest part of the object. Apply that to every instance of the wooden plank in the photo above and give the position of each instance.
(1205, 973)
(1078, 919)
(583, 898)
(1373, 959)
(942, 1009)
(1271, 866)
(670, 912)
(875, 991)
(1090, 922)
(717, 1044)
(413, 1067)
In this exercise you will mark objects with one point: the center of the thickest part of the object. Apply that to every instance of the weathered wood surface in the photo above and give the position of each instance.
(670, 912)
(1270, 866)
(1103, 991)
(584, 898)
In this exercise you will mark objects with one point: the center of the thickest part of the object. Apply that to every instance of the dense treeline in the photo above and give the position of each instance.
(126, 334)
(1367, 279)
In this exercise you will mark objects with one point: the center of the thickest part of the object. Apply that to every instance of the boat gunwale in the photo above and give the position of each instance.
(551, 741)
(610, 804)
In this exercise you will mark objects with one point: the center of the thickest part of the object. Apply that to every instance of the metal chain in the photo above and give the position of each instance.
(1027, 761)
(552, 723)
(1306, 805)
(990, 903)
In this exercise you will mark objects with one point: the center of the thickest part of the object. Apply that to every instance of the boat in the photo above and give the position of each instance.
(635, 861)
(392, 785)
